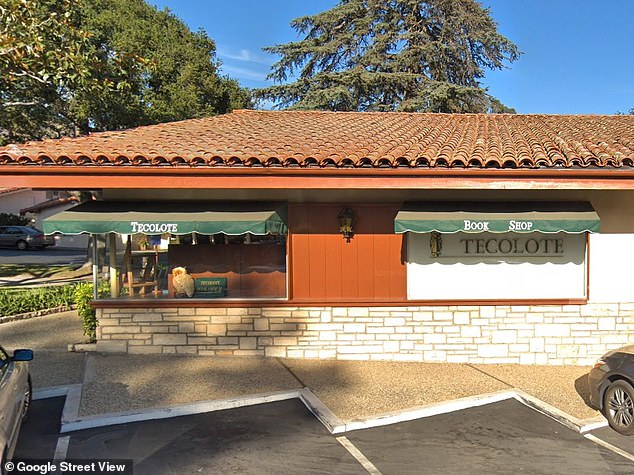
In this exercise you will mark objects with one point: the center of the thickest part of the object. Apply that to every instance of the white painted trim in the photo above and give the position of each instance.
(611, 447)
(89, 422)
(53, 391)
(428, 411)
(358, 455)
(593, 424)
(322, 412)
(71, 407)
(551, 411)
(61, 450)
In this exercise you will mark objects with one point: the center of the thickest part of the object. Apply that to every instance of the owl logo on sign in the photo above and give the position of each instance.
(183, 282)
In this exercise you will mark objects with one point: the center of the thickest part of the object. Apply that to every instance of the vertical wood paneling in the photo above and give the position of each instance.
(299, 261)
(328, 230)
(326, 268)
(317, 251)
(365, 253)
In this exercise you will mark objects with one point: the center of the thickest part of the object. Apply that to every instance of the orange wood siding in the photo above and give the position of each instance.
(326, 268)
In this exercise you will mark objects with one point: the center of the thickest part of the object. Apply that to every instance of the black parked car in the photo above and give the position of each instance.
(611, 382)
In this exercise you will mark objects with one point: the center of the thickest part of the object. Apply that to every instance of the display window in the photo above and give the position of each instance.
(502, 266)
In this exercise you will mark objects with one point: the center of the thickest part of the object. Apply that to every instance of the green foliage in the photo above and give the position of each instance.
(9, 219)
(81, 65)
(172, 71)
(83, 295)
(14, 302)
(378, 55)
(44, 57)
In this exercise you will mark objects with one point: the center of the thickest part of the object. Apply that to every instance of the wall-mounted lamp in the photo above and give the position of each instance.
(435, 244)
(346, 218)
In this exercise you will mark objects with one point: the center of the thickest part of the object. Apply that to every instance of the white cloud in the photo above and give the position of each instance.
(243, 55)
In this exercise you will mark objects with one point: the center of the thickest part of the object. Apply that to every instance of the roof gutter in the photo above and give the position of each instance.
(91, 177)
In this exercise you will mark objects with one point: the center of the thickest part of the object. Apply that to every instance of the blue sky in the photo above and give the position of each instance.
(578, 54)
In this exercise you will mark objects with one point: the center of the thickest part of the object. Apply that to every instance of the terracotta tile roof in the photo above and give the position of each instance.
(349, 139)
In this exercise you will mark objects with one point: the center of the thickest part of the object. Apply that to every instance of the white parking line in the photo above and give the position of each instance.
(608, 446)
(61, 450)
(358, 455)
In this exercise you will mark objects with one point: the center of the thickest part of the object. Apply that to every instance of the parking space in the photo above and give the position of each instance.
(40, 431)
(284, 437)
(504, 437)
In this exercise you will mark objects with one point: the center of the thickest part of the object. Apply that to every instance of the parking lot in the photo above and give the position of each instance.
(284, 437)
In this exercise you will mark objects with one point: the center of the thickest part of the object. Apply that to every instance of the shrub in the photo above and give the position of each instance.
(16, 301)
(8, 219)
(83, 295)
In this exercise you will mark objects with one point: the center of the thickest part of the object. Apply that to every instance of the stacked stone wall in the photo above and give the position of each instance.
(531, 334)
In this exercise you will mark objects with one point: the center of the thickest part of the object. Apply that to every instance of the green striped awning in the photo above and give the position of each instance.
(173, 217)
(496, 217)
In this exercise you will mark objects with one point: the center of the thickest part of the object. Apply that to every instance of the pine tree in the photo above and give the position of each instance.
(387, 55)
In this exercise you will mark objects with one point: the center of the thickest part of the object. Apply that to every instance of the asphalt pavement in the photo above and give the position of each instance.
(241, 431)
(285, 438)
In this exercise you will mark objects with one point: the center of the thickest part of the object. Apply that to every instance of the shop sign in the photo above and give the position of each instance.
(483, 226)
(210, 286)
(153, 228)
(543, 246)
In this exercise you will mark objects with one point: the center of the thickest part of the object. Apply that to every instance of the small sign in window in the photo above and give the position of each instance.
(211, 287)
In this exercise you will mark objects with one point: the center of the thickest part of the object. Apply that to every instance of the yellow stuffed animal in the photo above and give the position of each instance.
(183, 282)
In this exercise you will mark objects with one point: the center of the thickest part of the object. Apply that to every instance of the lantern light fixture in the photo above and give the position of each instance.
(346, 219)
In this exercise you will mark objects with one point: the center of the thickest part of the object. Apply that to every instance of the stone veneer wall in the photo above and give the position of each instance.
(536, 334)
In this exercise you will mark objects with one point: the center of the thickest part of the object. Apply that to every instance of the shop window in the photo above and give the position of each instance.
(225, 266)
(496, 266)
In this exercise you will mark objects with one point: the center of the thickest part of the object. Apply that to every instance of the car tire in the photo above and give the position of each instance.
(618, 407)
(21, 245)
(28, 397)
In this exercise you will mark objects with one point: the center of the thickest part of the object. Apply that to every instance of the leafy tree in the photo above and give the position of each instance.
(69, 66)
(385, 55)
(172, 71)
(44, 56)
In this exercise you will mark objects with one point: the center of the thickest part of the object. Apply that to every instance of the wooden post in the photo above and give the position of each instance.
(114, 277)
(95, 270)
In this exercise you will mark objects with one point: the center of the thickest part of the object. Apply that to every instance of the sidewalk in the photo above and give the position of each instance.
(350, 389)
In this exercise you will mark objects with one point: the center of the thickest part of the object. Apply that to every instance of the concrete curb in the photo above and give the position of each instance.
(322, 412)
(37, 313)
(580, 425)
(427, 411)
(89, 422)
(72, 422)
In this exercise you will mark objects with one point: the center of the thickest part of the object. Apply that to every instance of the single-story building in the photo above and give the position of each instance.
(378, 236)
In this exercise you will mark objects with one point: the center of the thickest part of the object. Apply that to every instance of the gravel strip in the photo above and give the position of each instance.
(564, 387)
(117, 383)
(357, 389)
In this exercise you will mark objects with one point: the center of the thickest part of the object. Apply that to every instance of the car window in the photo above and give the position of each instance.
(32, 230)
(3, 230)
(14, 231)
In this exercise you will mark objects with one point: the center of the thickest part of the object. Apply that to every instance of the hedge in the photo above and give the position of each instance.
(16, 301)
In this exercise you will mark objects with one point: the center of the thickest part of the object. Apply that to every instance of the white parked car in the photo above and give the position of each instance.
(15, 398)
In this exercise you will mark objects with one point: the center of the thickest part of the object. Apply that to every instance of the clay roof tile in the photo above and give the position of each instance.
(348, 139)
